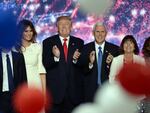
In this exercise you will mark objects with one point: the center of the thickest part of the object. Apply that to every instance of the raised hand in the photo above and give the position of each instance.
(76, 54)
(92, 57)
(56, 51)
(109, 58)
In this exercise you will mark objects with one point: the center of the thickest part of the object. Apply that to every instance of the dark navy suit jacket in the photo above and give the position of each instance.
(19, 69)
(91, 75)
(63, 78)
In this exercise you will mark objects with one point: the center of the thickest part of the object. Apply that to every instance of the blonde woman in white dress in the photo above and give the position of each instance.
(32, 52)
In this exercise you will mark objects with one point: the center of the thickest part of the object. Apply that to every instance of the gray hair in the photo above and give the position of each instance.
(99, 24)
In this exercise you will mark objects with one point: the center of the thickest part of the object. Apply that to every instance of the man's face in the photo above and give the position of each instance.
(100, 34)
(64, 27)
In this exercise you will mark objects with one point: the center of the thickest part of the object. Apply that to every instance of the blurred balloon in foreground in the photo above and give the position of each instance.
(111, 98)
(135, 78)
(8, 29)
(87, 108)
(29, 100)
(124, 95)
(98, 7)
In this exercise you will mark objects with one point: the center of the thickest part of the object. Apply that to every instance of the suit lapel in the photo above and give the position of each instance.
(14, 57)
(58, 42)
(60, 46)
(70, 49)
(105, 54)
(105, 51)
(94, 49)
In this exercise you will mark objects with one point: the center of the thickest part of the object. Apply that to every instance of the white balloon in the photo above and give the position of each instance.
(113, 99)
(87, 108)
(97, 7)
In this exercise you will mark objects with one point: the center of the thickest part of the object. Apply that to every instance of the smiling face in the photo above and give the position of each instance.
(128, 46)
(64, 27)
(28, 34)
(100, 34)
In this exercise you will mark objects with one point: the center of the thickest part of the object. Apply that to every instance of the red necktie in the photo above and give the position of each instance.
(65, 48)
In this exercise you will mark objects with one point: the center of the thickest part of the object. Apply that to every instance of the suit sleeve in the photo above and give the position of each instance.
(80, 47)
(47, 55)
(84, 59)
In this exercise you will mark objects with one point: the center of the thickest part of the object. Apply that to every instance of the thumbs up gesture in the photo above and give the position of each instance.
(76, 54)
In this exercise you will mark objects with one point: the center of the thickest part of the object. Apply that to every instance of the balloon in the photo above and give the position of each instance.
(28, 100)
(8, 29)
(111, 98)
(135, 78)
(97, 7)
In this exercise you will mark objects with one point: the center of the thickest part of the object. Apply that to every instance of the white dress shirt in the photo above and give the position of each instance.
(62, 42)
(97, 48)
(96, 52)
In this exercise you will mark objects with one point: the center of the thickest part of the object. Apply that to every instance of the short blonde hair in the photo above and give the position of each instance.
(63, 18)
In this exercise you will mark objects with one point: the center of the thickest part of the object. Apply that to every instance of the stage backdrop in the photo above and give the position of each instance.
(124, 17)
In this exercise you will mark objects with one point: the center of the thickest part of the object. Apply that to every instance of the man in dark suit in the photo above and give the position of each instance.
(60, 58)
(96, 58)
(12, 75)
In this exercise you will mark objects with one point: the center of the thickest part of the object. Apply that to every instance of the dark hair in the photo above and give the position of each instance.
(63, 17)
(22, 25)
(146, 47)
(132, 39)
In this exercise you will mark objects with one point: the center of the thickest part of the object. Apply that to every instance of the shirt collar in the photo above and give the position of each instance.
(61, 38)
(5, 53)
(102, 46)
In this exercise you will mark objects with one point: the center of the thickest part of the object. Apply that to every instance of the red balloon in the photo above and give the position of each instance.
(135, 78)
(28, 100)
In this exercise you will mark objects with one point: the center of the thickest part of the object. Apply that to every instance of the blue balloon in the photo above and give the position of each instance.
(8, 29)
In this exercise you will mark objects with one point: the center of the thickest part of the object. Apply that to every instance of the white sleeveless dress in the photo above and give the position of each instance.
(34, 66)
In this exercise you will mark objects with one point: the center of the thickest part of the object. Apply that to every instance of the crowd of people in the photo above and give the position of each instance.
(71, 70)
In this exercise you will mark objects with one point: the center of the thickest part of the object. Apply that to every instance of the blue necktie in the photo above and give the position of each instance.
(99, 65)
(9, 72)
